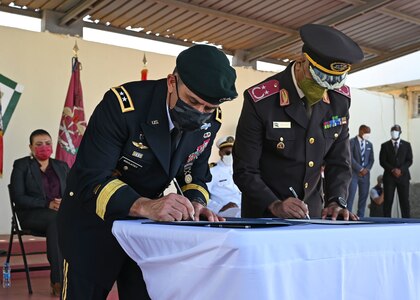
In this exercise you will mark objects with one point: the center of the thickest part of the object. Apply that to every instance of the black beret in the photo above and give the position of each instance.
(206, 71)
(328, 49)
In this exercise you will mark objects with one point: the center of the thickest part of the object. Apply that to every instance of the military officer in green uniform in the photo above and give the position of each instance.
(291, 125)
(141, 136)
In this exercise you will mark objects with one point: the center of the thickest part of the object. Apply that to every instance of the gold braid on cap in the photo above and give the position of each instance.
(314, 63)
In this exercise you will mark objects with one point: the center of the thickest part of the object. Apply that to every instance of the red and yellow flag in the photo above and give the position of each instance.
(72, 124)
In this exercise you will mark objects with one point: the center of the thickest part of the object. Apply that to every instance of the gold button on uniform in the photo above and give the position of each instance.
(336, 135)
(125, 168)
(311, 140)
(306, 185)
(71, 194)
(311, 164)
(280, 145)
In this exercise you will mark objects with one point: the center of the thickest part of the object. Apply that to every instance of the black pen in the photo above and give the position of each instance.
(296, 196)
(182, 194)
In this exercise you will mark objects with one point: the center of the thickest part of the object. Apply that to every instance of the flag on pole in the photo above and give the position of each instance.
(10, 93)
(144, 70)
(72, 124)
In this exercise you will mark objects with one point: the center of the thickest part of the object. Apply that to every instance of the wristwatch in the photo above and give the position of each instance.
(339, 200)
(199, 200)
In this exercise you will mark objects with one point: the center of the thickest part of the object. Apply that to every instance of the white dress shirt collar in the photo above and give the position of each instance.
(360, 140)
(171, 124)
(299, 91)
(398, 142)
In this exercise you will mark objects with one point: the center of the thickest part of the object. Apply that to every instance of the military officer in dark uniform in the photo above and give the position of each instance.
(293, 123)
(141, 136)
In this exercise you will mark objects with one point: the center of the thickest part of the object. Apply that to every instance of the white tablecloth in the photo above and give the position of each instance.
(296, 262)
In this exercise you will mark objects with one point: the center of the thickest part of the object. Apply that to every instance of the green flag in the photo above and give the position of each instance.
(10, 92)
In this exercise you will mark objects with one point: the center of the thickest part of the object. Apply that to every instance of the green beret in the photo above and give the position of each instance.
(328, 49)
(206, 71)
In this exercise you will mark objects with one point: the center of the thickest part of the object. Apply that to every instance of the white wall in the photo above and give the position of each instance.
(413, 137)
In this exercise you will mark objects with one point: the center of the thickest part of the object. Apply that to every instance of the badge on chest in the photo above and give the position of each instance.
(280, 144)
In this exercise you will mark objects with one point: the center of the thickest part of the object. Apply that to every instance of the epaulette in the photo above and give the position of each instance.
(124, 98)
(218, 115)
(213, 164)
(264, 90)
(344, 90)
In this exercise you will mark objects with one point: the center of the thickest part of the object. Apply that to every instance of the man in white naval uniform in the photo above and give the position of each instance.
(225, 197)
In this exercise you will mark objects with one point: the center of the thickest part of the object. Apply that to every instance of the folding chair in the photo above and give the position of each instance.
(17, 230)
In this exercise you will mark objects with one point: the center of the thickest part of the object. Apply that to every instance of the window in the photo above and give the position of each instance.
(415, 96)
(418, 105)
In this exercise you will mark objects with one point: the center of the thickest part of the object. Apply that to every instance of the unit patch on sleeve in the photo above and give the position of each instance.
(264, 90)
(124, 98)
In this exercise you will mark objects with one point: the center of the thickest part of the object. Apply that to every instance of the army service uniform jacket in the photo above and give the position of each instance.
(126, 154)
(277, 146)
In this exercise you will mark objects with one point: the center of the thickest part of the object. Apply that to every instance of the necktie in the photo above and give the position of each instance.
(362, 152)
(175, 137)
(396, 147)
(308, 107)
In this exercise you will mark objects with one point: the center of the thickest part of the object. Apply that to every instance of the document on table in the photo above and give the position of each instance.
(328, 221)
(237, 223)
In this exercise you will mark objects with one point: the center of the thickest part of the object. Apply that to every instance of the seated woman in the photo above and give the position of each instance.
(36, 187)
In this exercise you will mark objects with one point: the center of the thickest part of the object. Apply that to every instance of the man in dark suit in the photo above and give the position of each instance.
(361, 163)
(396, 156)
(291, 125)
(140, 137)
(37, 185)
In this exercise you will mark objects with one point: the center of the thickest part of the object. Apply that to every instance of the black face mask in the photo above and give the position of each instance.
(185, 117)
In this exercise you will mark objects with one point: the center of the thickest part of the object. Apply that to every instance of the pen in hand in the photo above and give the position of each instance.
(182, 194)
(296, 196)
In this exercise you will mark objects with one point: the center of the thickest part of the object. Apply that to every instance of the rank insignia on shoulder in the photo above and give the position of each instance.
(284, 97)
(344, 90)
(219, 115)
(264, 90)
(124, 98)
